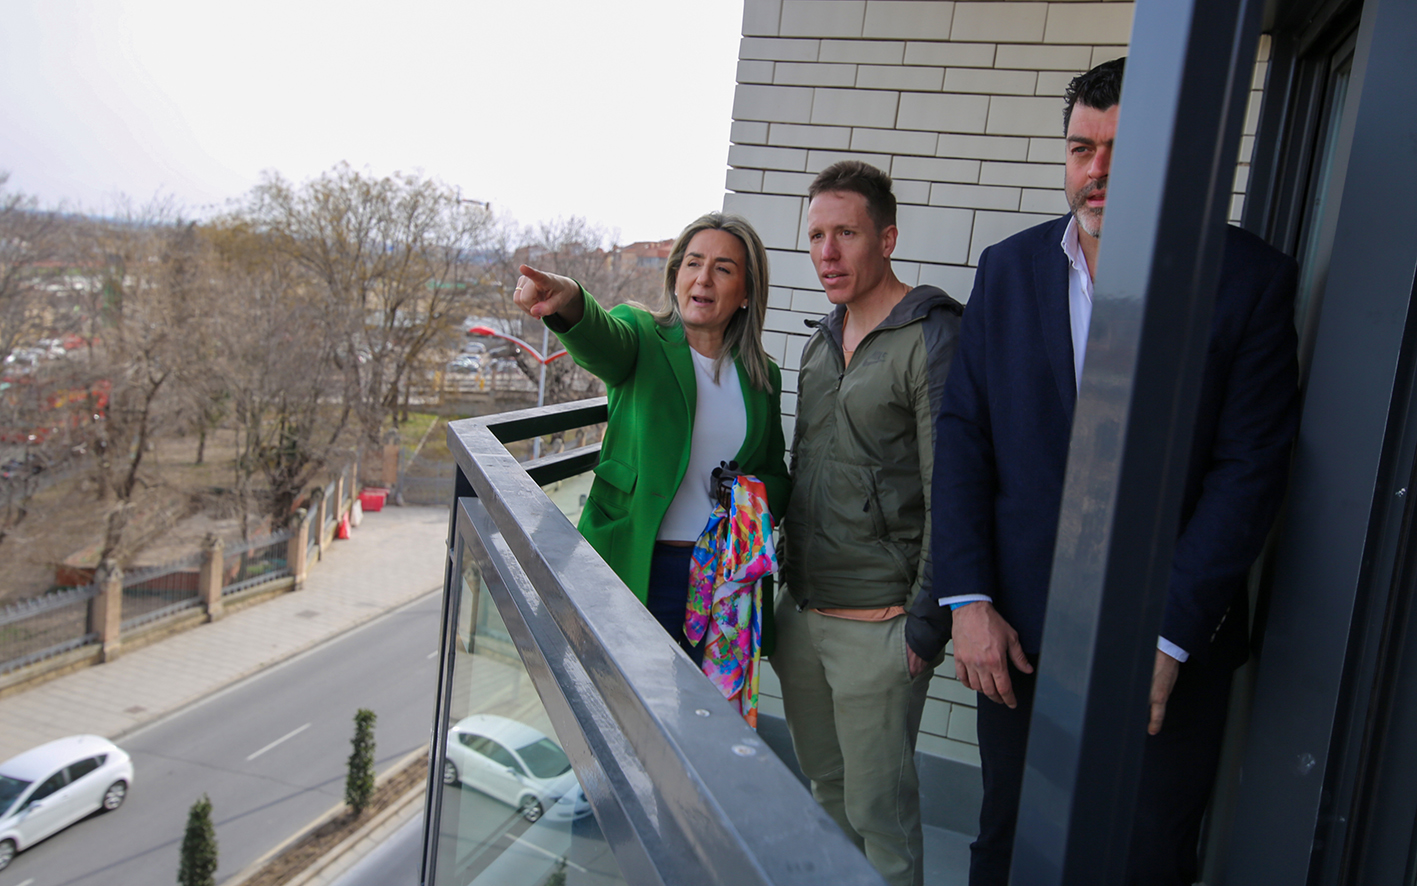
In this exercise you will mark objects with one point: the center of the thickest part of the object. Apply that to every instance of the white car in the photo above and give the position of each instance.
(50, 787)
(514, 763)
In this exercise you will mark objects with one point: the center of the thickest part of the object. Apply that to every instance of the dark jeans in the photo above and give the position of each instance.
(669, 593)
(1178, 770)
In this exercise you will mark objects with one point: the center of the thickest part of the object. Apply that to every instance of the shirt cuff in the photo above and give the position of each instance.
(1172, 649)
(960, 599)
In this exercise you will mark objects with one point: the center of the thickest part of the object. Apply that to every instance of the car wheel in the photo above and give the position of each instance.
(450, 772)
(530, 808)
(115, 795)
(7, 852)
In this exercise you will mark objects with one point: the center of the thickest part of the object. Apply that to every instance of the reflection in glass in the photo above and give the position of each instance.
(512, 811)
(1316, 247)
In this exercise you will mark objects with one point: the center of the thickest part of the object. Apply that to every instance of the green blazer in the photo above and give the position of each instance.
(649, 380)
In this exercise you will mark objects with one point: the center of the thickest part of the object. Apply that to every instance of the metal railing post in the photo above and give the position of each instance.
(297, 546)
(209, 578)
(320, 518)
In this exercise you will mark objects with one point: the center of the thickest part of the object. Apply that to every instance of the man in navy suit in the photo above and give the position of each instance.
(1001, 451)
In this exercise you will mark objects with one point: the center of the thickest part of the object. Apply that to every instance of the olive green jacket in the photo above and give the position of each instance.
(858, 525)
(649, 380)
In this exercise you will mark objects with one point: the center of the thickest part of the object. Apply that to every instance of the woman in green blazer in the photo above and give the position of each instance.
(689, 387)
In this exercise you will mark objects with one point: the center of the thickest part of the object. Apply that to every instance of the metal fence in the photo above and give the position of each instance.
(488, 381)
(154, 592)
(255, 562)
(42, 627)
(431, 485)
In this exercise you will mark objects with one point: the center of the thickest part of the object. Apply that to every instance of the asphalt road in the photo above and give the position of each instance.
(270, 752)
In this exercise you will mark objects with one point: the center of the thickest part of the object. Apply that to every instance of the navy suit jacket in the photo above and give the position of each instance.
(1006, 418)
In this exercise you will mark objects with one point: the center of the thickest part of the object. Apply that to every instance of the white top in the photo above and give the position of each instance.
(720, 426)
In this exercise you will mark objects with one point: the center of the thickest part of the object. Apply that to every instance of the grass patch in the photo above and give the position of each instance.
(411, 431)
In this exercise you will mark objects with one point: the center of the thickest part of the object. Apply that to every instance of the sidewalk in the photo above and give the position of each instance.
(394, 556)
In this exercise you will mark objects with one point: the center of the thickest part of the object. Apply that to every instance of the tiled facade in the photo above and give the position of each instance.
(961, 103)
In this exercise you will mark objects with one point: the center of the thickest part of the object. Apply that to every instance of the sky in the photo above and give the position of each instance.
(618, 112)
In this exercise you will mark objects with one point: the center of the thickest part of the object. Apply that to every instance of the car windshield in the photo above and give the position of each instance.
(545, 758)
(10, 788)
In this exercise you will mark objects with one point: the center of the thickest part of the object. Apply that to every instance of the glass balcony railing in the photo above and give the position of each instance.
(577, 743)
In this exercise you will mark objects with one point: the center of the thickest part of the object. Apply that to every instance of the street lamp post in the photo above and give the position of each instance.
(537, 356)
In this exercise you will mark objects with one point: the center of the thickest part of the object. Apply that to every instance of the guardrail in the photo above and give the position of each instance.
(682, 790)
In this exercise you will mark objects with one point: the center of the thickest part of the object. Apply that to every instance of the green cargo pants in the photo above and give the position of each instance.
(854, 712)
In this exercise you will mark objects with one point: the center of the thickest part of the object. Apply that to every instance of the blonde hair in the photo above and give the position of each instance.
(745, 330)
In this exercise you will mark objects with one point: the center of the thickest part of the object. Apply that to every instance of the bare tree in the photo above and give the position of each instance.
(390, 255)
(146, 303)
(577, 249)
(27, 252)
(275, 359)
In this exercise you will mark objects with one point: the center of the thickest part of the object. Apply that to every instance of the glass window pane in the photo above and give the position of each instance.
(50, 785)
(1316, 245)
(84, 767)
(512, 810)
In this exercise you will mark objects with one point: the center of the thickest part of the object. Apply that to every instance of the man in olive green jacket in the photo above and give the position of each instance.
(857, 525)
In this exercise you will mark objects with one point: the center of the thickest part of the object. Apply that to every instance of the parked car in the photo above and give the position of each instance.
(516, 764)
(15, 468)
(465, 363)
(48, 788)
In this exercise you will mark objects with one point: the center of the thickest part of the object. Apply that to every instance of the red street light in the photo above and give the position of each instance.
(535, 355)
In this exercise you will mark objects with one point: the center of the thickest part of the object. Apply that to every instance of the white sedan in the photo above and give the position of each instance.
(50, 787)
(514, 763)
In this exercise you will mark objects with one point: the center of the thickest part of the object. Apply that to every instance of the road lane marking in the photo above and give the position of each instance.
(430, 655)
(288, 735)
(28, 882)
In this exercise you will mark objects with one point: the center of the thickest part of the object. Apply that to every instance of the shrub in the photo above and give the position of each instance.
(359, 784)
(199, 856)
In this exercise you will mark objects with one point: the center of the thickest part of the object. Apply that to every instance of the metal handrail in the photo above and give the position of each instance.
(686, 792)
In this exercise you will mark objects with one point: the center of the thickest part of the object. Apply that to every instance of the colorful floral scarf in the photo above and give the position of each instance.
(725, 592)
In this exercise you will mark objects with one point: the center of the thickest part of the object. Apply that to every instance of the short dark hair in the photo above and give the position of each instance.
(1100, 88)
(859, 178)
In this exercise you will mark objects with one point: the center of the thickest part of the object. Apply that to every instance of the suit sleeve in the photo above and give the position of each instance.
(602, 343)
(1248, 470)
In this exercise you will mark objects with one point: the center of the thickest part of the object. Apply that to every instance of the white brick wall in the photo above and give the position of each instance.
(961, 103)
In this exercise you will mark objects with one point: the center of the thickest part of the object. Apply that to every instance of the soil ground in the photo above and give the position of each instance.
(309, 848)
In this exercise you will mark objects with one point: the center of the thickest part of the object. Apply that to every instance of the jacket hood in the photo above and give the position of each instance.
(916, 305)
